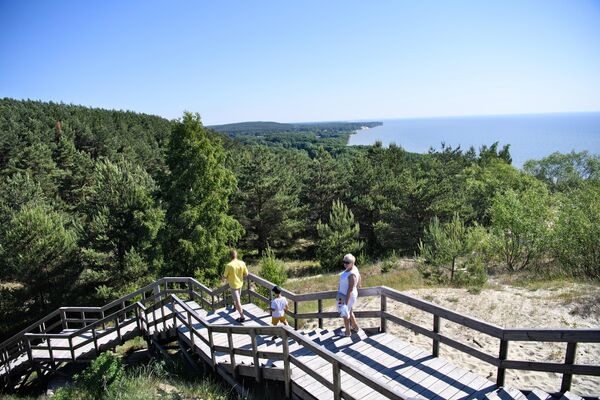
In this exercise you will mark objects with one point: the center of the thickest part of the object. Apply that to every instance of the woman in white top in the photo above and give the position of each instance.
(348, 292)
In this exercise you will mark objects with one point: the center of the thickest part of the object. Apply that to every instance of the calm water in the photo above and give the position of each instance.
(532, 136)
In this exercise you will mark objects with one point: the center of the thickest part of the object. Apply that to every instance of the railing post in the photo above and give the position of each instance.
(249, 294)
(137, 319)
(295, 315)
(569, 360)
(156, 291)
(191, 327)
(211, 344)
(95, 339)
(287, 372)
(502, 356)
(255, 356)
(29, 352)
(231, 354)
(337, 381)
(162, 312)
(436, 342)
(320, 309)
(50, 351)
(174, 311)
(118, 329)
(71, 348)
(383, 321)
(63, 319)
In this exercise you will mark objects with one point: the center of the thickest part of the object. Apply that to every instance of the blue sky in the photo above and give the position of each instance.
(305, 60)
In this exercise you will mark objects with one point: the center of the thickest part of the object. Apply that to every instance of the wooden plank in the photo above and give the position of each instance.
(445, 339)
(579, 335)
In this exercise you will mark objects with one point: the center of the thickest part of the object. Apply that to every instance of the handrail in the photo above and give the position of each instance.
(161, 293)
(310, 344)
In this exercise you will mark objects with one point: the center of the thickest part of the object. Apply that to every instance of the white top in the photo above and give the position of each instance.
(343, 288)
(278, 305)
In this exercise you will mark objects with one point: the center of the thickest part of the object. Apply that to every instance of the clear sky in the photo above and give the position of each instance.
(304, 60)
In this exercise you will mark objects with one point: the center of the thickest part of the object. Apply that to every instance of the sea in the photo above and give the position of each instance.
(530, 136)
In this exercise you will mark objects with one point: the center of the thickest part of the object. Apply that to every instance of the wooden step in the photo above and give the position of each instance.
(537, 394)
(570, 396)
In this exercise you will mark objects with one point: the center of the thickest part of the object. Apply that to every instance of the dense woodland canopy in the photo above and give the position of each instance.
(94, 203)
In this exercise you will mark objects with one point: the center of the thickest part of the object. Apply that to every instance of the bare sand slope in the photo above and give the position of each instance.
(568, 306)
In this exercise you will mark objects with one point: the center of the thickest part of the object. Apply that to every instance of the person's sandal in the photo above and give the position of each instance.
(240, 319)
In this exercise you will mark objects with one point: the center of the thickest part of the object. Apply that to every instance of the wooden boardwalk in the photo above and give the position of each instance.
(315, 364)
(408, 369)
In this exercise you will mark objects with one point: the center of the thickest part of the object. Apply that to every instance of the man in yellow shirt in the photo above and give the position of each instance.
(235, 272)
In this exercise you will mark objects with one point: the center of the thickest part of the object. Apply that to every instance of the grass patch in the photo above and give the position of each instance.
(137, 343)
(474, 290)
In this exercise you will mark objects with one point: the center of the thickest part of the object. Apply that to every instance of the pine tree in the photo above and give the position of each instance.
(267, 201)
(337, 237)
(321, 187)
(38, 251)
(200, 228)
(121, 227)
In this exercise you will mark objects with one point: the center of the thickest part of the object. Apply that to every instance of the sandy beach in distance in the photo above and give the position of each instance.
(568, 306)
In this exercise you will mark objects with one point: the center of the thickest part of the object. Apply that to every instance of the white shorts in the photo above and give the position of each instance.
(235, 295)
(351, 300)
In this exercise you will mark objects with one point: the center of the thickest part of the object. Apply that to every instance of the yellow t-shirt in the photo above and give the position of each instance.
(235, 272)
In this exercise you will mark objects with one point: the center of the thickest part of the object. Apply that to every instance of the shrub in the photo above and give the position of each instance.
(577, 232)
(105, 371)
(389, 262)
(453, 251)
(272, 269)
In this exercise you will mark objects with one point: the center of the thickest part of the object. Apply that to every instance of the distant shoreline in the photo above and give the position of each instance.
(530, 136)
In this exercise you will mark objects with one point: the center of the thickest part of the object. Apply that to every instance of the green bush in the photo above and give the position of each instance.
(389, 262)
(272, 269)
(454, 252)
(577, 232)
(104, 372)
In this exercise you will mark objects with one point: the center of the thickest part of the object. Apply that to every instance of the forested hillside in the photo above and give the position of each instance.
(308, 136)
(94, 203)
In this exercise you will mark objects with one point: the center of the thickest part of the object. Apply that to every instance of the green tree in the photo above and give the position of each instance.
(121, 227)
(443, 245)
(484, 180)
(266, 202)
(322, 186)
(337, 237)
(577, 231)
(565, 171)
(39, 249)
(521, 224)
(200, 229)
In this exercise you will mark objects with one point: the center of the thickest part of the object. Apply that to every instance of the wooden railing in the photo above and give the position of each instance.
(570, 337)
(152, 298)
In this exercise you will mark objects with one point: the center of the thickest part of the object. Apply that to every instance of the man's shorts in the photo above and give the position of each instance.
(235, 294)
(276, 320)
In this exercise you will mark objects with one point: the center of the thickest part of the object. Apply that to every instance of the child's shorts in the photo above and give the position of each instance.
(276, 320)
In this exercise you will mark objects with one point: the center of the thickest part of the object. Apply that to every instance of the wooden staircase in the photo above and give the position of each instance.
(312, 364)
